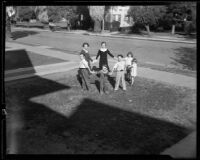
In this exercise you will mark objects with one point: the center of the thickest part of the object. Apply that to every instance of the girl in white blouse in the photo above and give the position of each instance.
(133, 70)
(128, 60)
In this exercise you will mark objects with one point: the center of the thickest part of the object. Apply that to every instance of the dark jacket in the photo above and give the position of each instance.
(103, 58)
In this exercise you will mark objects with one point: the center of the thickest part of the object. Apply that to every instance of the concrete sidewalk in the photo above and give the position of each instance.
(112, 35)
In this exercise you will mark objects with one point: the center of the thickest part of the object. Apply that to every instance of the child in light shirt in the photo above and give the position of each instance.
(84, 72)
(128, 60)
(133, 70)
(120, 68)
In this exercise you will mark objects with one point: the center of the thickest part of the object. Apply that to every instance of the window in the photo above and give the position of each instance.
(116, 17)
(119, 18)
(126, 18)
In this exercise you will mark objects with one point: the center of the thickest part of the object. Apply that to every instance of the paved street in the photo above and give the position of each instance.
(153, 52)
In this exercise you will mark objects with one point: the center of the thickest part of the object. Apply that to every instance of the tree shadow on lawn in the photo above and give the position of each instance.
(22, 34)
(186, 57)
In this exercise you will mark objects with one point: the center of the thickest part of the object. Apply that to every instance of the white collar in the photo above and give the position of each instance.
(103, 49)
(85, 50)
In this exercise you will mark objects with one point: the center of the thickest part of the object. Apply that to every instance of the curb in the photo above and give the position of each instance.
(125, 37)
(141, 38)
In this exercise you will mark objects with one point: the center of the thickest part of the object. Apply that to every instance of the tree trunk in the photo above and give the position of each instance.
(110, 21)
(173, 29)
(97, 25)
(8, 28)
(102, 26)
(148, 30)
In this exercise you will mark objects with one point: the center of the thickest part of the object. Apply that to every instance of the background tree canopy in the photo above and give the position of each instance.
(56, 13)
(147, 15)
(97, 14)
(25, 13)
(181, 15)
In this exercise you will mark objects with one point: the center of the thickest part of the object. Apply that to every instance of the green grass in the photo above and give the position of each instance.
(186, 72)
(53, 112)
(22, 59)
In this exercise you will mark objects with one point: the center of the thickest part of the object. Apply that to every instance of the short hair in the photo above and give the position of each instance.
(130, 53)
(104, 65)
(103, 43)
(134, 60)
(120, 55)
(85, 43)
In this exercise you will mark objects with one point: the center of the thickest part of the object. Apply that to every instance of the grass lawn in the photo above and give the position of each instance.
(181, 58)
(54, 113)
(21, 59)
(185, 72)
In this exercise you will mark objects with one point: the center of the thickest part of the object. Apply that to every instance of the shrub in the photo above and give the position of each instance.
(115, 26)
(26, 13)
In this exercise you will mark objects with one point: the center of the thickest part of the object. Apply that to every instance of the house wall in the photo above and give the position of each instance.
(119, 13)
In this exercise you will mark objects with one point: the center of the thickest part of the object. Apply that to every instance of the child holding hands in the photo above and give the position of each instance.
(103, 79)
(120, 68)
(133, 70)
(84, 72)
(128, 61)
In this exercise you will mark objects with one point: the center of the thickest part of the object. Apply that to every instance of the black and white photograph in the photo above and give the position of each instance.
(101, 79)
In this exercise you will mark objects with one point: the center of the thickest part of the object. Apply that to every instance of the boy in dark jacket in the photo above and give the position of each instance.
(103, 79)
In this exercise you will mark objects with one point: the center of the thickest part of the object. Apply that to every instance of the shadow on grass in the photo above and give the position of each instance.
(23, 113)
(22, 34)
(92, 127)
(186, 57)
(20, 58)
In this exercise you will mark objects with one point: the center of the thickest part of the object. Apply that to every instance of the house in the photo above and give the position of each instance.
(120, 14)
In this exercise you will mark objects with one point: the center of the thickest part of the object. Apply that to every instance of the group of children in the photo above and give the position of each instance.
(125, 68)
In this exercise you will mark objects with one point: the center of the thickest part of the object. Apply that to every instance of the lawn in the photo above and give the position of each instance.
(177, 70)
(54, 113)
(21, 59)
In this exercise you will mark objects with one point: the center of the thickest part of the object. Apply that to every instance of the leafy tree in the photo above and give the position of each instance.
(10, 12)
(8, 27)
(25, 13)
(178, 11)
(97, 15)
(56, 13)
(84, 20)
(53, 13)
(147, 15)
(42, 14)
